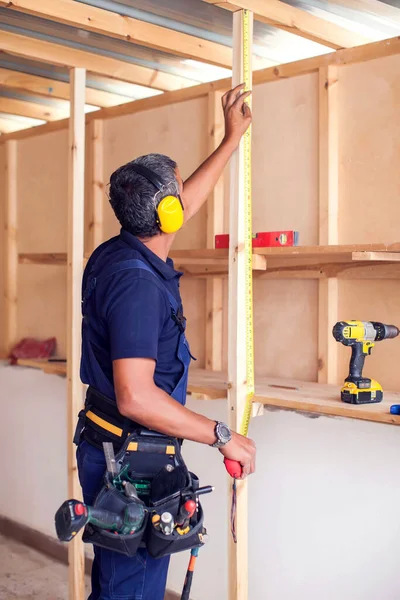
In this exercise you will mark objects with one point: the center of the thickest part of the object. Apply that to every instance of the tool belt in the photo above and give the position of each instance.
(144, 459)
(143, 456)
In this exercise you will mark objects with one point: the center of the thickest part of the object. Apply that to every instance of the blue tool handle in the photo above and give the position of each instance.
(395, 409)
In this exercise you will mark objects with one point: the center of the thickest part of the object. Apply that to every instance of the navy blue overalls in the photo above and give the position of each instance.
(115, 576)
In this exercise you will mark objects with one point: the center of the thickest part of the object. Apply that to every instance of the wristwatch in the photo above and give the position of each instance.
(223, 435)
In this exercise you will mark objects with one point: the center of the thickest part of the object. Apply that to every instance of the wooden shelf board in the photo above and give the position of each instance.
(298, 396)
(48, 367)
(310, 262)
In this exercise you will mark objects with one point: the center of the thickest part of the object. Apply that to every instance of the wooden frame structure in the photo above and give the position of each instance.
(326, 262)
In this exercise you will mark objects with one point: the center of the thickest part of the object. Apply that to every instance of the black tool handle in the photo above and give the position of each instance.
(105, 519)
(357, 361)
(187, 586)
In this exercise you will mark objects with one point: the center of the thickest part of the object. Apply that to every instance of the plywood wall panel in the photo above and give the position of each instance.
(368, 300)
(285, 157)
(369, 138)
(42, 310)
(2, 270)
(179, 131)
(285, 196)
(42, 193)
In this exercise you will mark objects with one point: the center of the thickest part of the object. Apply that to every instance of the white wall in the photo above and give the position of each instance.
(323, 504)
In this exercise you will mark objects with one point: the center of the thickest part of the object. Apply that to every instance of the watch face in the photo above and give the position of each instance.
(224, 432)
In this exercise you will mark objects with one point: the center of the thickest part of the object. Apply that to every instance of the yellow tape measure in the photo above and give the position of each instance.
(247, 80)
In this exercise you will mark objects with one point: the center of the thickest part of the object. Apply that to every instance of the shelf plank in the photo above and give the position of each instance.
(48, 367)
(298, 396)
(55, 258)
(310, 262)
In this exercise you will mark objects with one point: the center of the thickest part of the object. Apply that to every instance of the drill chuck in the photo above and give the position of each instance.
(385, 332)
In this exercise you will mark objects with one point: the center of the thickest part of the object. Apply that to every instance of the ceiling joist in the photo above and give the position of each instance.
(33, 110)
(125, 28)
(297, 21)
(64, 56)
(56, 89)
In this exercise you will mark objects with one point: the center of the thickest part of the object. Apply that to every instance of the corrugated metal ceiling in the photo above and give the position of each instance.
(374, 19)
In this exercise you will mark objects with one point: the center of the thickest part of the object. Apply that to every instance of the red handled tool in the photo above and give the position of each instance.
(233, 467)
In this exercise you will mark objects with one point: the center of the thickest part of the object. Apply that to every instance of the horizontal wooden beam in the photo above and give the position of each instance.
(347, 56)
(12, 125)
(64, 56)
(125, 28)
(56, 89)
(297, 21)
(32, 109)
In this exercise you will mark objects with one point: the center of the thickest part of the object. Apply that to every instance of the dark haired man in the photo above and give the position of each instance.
(134, 352)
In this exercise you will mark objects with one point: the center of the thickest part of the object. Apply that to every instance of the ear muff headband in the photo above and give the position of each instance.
(169, 212)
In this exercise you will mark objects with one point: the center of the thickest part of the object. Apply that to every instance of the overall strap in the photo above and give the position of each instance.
(133, 263)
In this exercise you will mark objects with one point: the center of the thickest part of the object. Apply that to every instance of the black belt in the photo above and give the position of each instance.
(101, 421)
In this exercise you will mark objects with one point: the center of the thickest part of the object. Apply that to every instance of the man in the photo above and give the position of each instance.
(135, 356)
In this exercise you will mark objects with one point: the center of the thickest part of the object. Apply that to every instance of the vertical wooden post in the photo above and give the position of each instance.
(328, 218)
(215, 224)
(11, 252)
(237, 390)
(76, 195)
(96, 185)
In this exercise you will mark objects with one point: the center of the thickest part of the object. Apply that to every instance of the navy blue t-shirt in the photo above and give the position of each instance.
(134, 314)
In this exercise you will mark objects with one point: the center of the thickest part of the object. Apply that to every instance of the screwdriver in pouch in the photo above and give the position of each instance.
(167, 523)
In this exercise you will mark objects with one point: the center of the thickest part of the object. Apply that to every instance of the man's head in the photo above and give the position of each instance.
(134, 199)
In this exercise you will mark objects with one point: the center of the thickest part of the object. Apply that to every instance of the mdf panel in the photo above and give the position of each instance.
(368, 300)
(2, 256)
(285, 157)
(179, 131)
(285, 196)
(286, 329)
(369, 138)
(42, 310)
(42, 193)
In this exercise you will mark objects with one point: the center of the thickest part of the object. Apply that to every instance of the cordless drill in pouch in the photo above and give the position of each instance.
(361, 336)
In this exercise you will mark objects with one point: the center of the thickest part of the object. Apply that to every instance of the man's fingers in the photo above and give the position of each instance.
(246, 110)
(233, 95)
(238, 103)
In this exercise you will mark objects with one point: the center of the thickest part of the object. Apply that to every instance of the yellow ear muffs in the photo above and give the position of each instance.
(170, 214)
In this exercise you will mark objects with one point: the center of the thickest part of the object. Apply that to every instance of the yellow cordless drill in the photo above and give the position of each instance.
(361, 336)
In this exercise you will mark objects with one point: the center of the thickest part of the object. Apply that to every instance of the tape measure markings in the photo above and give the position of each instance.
(247, 80)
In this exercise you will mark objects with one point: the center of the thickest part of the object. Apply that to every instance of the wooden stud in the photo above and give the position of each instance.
(328, 218)
(237, 390)
(57, 54)
(10, 246)
(297, 21)
(56, 89)
(97, 185)
(215, 225)
(125, 28)
(76, 195)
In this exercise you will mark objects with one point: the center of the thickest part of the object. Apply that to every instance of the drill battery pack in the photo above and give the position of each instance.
(368, 391)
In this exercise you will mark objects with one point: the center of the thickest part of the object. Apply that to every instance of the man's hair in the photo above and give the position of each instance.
(134, 199)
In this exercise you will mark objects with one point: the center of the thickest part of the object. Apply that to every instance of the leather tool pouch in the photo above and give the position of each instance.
(143, 455)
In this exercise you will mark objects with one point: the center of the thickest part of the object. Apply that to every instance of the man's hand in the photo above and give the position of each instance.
(199, 186)
(243, 450)
(237, 114)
